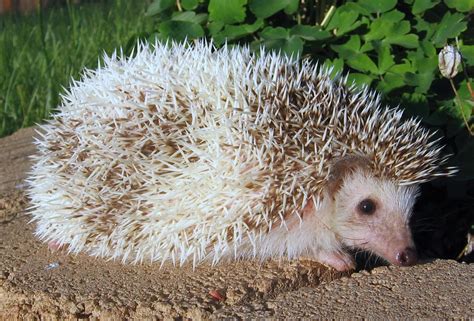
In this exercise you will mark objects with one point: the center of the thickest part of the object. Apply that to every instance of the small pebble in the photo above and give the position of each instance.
(52, 266)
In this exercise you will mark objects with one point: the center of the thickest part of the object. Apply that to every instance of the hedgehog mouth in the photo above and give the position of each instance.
(371, 255)
(399, 256)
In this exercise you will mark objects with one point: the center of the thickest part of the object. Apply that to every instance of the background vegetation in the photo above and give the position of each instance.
(392, 46)
(40, 53)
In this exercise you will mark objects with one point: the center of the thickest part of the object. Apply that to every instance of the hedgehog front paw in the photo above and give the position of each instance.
(55, 246)
(340, 261)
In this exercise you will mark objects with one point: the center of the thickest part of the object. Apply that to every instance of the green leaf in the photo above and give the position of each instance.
(190, 16)
(407, 41)
(378, 29)
(395, 77)
(392, 32)
(151, 38)
(424, 26)
(279, 39)
(460, 5)
(467, 106)
(423, 64)
(363, 63)
(214, 27)
(454, 107)
(359, 79)
(309, 32)
(189, 4)
(388, 26)
(421, 6)
(231, 32)
(159, 6)
(265, 8)
(378, 6)
(181, 30)
(228, 11)
(428, 49)
(369, 46)
(351, 47)
(466, 102)
(402, 68)
(450, 27)
(413, 56)
(422, 81)
(400, 28)
(393, 16)
(292, 46)
(428, 64)
(343, 22)
(385, 59)
(390, 82)
(467, 52)
(275, 33)
(355, 7)
(292, 7)
(336, 66)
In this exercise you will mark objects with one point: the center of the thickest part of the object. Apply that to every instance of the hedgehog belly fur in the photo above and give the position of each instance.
(178, 153)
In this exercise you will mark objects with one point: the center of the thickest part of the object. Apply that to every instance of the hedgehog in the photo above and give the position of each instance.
(191, 153)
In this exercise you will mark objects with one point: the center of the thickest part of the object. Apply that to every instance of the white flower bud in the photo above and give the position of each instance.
(449, 59)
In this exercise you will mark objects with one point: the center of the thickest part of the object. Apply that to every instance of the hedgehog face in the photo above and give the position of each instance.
(372, 214)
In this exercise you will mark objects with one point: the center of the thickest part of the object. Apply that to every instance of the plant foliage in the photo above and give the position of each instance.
(41, 52)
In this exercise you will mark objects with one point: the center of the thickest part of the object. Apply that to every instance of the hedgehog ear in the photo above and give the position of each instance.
(343, 167)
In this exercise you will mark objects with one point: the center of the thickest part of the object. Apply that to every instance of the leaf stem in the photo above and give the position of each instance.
(471, 132)
(468, 80)
(328, 16)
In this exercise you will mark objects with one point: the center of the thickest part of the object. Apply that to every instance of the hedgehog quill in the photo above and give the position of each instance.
(192, 153)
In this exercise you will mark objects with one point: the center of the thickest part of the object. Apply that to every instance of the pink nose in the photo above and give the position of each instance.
(407, 257)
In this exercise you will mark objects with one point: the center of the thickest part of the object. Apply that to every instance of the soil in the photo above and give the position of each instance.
(38, 283)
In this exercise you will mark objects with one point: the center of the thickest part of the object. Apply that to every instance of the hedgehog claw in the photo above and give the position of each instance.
(54, 246)
(339, 261)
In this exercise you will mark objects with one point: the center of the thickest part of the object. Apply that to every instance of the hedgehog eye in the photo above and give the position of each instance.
(366, 207)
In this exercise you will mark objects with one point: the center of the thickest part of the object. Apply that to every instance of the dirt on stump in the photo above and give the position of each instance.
(38, 283)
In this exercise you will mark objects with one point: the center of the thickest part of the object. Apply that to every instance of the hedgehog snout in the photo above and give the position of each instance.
(406, 257)
(393, 242)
